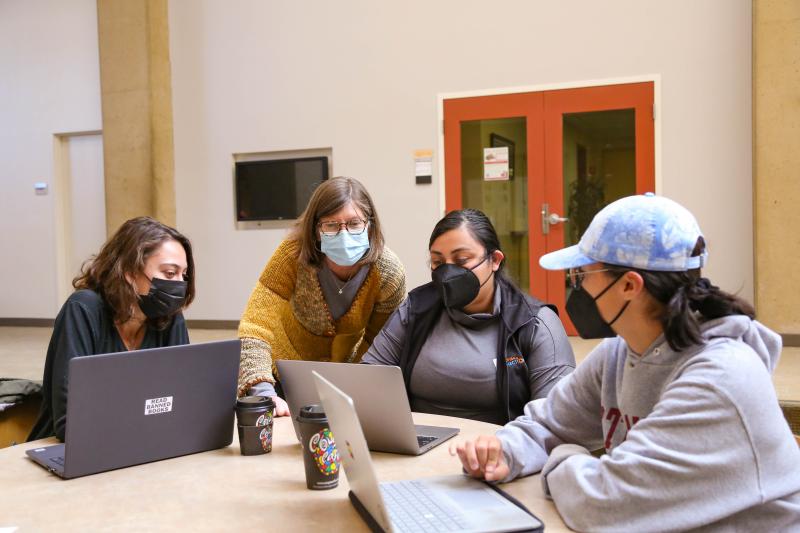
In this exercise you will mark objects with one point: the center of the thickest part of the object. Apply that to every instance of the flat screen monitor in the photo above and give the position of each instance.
(277, 189)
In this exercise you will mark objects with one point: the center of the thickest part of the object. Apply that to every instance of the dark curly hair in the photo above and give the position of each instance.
(126, 252)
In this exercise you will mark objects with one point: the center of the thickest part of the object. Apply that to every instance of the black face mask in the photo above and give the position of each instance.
(457, 285)
(166, 297)
(582, 310)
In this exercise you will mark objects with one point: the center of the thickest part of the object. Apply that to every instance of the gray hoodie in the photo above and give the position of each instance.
(695, 439)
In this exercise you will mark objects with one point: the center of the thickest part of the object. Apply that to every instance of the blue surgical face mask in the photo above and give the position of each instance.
(345, 249)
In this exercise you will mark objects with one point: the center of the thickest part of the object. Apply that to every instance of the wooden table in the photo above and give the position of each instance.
(221, 490)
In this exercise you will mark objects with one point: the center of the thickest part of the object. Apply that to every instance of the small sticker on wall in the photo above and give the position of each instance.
(423, 166)
(156, 406)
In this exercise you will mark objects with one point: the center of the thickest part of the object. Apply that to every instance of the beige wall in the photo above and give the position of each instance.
(49, 84)
(363, 78)
(776, 95)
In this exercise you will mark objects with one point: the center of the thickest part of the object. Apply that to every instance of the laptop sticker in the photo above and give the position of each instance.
(156, 406)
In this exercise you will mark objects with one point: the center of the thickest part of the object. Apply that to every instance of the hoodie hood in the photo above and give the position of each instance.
(766, 343)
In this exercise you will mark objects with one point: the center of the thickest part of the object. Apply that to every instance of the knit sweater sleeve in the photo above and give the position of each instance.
(268, 301)
(392, 294)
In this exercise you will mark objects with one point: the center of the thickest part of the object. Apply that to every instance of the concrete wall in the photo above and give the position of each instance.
(363, 78)
(49, 83)
(776, 82)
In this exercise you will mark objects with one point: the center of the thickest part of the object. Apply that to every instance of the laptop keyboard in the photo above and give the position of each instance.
(412, 507)
(422, 440)
(57, 460)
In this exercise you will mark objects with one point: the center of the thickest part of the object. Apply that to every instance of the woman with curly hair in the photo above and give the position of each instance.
(128, 297)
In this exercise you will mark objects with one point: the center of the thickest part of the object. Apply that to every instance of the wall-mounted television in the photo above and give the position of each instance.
(277, 189)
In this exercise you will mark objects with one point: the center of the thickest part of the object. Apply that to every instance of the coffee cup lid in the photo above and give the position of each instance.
(254, 401)
(312, 411)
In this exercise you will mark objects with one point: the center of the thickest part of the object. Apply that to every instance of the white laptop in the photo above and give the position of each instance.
(444, 503)
(379, 394)
(130, 408)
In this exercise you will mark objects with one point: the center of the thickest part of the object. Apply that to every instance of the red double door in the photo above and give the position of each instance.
(541, 164)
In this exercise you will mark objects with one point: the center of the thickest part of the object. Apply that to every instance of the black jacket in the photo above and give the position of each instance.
(85, 326)
(518, 325)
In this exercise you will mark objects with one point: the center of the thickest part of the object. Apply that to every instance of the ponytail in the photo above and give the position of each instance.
(712, 302)
(688, 301)
(693, 301)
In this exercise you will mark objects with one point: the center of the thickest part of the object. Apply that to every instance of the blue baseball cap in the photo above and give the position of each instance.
(645, 231)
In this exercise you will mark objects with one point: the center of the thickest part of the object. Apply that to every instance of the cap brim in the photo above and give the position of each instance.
(570, 257)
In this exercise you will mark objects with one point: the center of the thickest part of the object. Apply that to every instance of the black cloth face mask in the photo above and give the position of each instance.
(582, 310)
(166, 297)
(457, 285)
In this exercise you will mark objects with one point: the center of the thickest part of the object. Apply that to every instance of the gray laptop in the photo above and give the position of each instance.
(379, 394)
(130, 408)
(443, 503)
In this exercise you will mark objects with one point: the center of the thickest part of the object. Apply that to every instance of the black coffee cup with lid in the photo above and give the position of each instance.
(254, 410)
(254, 416)
(255, 440)
(320, 456)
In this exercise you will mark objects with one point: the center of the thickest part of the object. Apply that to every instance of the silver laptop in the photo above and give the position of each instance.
(444, 503)
(130, 408)
(379, 394)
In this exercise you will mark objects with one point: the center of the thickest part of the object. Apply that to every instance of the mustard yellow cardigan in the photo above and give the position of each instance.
(287, 316)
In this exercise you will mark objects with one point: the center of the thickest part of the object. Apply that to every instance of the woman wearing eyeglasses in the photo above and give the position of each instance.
(325, 293)
(679, 395)
(470, 343)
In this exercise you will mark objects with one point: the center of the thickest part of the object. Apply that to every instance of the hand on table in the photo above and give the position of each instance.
(281, 407)
(482, 458)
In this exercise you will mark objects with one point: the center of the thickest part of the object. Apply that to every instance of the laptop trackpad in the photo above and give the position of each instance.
(483, 507)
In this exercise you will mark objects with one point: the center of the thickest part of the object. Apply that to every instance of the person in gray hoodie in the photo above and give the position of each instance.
(679, 395)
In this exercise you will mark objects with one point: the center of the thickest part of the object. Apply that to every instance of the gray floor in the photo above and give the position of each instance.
(22, 353)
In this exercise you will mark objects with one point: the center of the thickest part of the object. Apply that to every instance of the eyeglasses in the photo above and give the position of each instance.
(355, 226)
(575, 276)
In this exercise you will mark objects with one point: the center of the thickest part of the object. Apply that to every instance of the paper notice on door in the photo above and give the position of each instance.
(495, 163)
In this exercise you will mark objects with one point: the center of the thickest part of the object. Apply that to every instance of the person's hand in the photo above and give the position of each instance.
(482, 458)
(281, 407)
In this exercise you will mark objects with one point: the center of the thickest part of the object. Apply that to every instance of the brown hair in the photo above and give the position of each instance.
(331, 196)
(126, 252)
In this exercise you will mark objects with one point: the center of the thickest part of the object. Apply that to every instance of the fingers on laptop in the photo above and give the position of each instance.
(482, 458)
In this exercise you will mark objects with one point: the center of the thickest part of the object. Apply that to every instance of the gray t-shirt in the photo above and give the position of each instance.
(455, 372)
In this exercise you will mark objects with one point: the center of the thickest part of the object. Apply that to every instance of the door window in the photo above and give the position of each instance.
(503, 200)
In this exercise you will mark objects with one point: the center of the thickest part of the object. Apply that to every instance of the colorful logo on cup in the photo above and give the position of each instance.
(265, 436)
(324, 451)
(264, 419)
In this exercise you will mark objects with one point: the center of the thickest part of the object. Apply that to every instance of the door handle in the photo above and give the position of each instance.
(549, 219)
